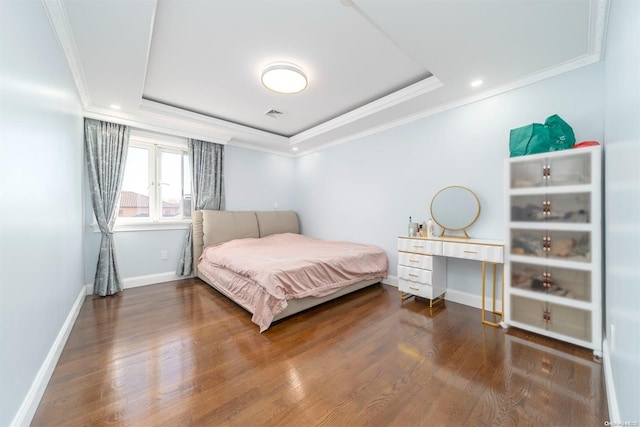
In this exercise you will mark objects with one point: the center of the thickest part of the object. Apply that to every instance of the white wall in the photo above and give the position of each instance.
(41, 256)
(138, 252)
(366, 190)
(622, 213)
(254, 180)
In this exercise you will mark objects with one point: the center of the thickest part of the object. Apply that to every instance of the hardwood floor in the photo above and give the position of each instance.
(180, 354)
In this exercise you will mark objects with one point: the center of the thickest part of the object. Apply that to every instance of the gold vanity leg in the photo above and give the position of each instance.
(493, 298)
(501, 312)
(493, 294)
(432, 302)
(435, 301)
(405, 296)
(484, 271)
(502, 296)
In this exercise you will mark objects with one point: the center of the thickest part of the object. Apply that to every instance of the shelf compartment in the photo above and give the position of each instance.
(555, 281)
(556, 318)
(574, 168)
(552, 244)
(556, 208)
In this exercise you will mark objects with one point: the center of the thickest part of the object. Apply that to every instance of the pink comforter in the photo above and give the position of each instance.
(287, 266)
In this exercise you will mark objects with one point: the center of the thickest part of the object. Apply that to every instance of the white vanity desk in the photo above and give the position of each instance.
(422, 266)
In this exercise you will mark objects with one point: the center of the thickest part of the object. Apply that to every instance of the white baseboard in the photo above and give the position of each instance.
(149, 279)
(391, 280)
(471, 300)
(32, 400)
(612, 400)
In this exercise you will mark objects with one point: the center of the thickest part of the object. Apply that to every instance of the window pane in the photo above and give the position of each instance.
(171, 184)
(134, 198)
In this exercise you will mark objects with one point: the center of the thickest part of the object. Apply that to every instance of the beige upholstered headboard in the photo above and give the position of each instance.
(212, 227)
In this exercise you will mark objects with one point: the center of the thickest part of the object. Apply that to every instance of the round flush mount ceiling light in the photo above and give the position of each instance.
(284, 77)
(476, 83)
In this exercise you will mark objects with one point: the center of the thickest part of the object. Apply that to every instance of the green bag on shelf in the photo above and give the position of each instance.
(554, 134)
(529, 139)
(561, 134)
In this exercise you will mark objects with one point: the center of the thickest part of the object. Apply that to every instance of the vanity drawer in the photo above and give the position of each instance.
(420, 246)
(419, 289)
(415, 275)
(473, 251)
(414, 260)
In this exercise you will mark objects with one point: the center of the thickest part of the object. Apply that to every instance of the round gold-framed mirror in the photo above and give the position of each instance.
(455, 208)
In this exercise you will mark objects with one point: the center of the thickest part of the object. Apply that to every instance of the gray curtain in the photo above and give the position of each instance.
(106, 152)
(207, 182)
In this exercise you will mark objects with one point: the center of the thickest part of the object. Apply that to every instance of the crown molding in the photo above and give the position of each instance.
(533, 78)
(62, 30)
(252, 146)
(180, 114)
(398, 97)
(598, 18)
(159, 124)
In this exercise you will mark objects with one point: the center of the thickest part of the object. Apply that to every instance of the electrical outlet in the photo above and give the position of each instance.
(164, 255)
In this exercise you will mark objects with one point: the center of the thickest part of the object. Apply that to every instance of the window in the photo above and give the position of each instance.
(156, 186)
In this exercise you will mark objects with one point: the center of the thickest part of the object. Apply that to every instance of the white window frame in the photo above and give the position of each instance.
(157, 144)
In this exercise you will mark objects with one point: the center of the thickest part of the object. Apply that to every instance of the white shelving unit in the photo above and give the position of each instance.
(553, 268)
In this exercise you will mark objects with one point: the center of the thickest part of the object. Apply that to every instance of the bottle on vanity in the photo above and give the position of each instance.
(430, 228)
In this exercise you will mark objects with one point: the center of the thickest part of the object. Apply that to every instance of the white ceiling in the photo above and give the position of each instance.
(192, 68)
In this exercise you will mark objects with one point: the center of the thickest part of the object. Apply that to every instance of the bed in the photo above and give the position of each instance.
(261, 262)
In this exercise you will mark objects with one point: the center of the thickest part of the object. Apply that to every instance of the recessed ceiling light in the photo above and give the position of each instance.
(295, 148)
(476, 83)
(284, 77)
(115, 107)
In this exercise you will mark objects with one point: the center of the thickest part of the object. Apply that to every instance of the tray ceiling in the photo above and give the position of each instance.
(193, 68)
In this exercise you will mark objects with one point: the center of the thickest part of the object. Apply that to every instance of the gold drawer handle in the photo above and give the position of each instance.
(415, 289)
(413, 275)
(414, 260)
(416, 246)
(470, 252)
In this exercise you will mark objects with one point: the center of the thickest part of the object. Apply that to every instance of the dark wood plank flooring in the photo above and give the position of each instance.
(181, 354)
